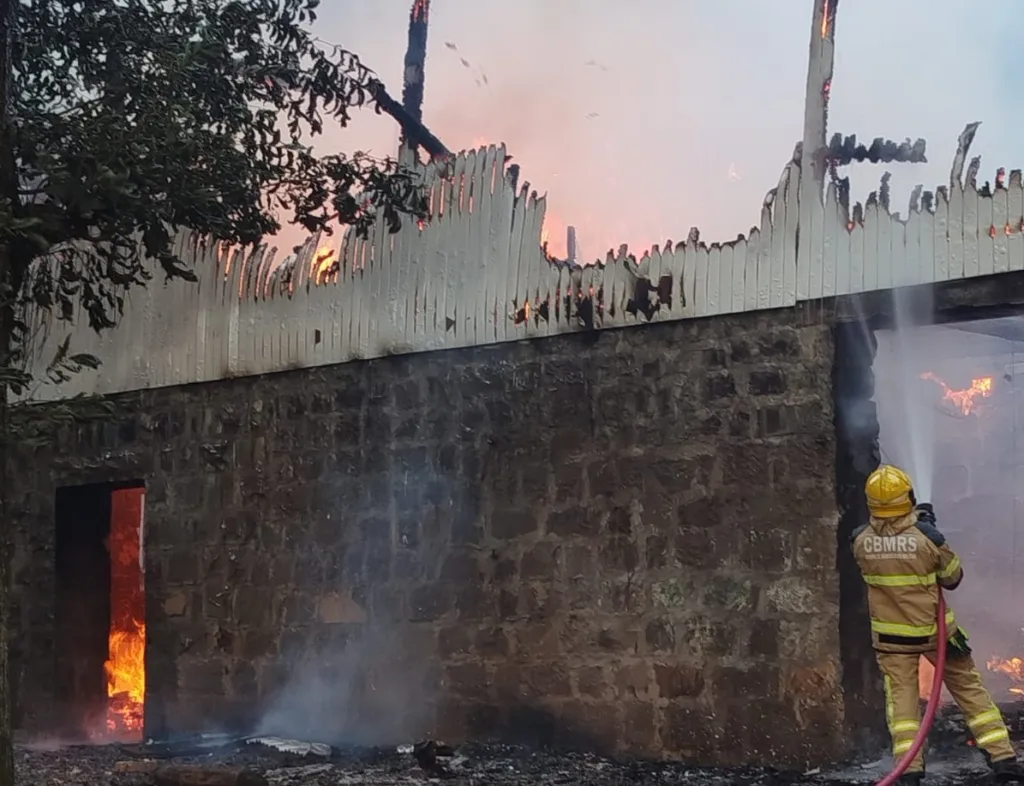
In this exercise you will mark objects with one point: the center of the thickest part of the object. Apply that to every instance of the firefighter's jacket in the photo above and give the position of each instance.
(903, 561)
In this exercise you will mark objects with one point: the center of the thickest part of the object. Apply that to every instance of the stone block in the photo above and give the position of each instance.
(537, 640)
(175, 604)
(468, 680)
(675, 594)
(767, 383)
(746, 465)
(696, 547)
(678, 680)
(540, 561)
(714, 358)
(592, 681)
(793, 595)
(257, 643)
(460, 567)
(243, 681)
(204, 677)
(690, 732)
(781, 345)
(634, 681)
(253, 606)
(339, 608)
(619, 553)
(764, 639)
(546, 680)
(760, 682)
(571, 521)
(656, 551)
(719, 386)
(699, 637)
(660, 636)
(768, 551)
(701, 514)
(509, 523)
(491, 642)
(430, 602)
(595, 726)
(475, 603)
(639, 727)
(454, 640)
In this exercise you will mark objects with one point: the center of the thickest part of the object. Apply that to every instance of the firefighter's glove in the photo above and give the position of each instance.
(926, 513)
(958, 644)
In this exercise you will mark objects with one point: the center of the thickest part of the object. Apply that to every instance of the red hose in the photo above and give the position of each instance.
(933, 701)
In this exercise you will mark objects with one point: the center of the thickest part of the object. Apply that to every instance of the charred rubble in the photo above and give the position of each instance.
(222, 760)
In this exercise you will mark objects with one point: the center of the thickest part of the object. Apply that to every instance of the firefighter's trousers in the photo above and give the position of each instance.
(903, 708)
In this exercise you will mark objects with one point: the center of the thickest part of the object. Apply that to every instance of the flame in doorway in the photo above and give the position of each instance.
(126, 679)
(126, 664)
(1014, 668)
(964, 400)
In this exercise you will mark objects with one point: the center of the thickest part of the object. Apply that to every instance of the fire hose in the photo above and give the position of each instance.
(933, 701)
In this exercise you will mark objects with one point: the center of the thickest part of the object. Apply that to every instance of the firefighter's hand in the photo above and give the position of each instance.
(925, 512)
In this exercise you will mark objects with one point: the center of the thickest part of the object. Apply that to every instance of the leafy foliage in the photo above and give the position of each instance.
(130, 118)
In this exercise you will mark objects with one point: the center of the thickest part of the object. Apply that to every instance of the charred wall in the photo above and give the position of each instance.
(857, 455)
(625, 541)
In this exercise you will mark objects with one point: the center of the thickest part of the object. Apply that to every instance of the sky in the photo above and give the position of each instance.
(642, 119)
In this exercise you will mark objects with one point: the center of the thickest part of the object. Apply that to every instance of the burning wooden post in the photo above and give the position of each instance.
(813, 157)
(571, 253)
(415, 61)
(409, 113)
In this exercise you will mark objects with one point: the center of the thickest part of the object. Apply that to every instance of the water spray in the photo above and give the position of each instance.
(918, 420)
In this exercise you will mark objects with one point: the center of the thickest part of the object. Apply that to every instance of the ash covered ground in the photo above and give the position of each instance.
(951, 761)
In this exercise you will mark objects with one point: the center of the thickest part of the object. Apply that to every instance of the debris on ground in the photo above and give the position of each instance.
(272, 761)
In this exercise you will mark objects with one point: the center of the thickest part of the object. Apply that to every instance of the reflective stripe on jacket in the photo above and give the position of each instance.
(903, 561)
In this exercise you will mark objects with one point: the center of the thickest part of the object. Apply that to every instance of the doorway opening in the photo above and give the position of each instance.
(950, 402)
(101, 610)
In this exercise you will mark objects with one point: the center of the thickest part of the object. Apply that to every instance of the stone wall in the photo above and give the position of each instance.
(623, 540)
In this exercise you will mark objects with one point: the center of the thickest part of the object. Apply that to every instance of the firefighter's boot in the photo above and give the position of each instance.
(911, 779)
(1008, 771)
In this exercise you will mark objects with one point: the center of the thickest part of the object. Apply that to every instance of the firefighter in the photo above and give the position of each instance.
(904, 558)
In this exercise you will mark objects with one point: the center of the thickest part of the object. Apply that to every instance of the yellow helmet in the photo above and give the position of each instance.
(889, 491)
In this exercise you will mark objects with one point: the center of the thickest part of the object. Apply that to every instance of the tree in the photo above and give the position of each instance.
(122, 120)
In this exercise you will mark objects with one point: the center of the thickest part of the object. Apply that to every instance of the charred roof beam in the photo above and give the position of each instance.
(844, 151)
(412, 129)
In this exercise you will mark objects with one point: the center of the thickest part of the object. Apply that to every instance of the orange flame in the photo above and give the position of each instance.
(324, 265)
(1013, 667)
(966, 399)
(828, 12)
(126, 664)
(126, 679)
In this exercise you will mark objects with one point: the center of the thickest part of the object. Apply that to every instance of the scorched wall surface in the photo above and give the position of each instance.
(623, 540)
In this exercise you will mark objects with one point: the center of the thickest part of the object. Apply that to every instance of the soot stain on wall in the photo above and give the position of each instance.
(626, 543)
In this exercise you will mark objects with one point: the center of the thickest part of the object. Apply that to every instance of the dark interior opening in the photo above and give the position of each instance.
(857, 455)
(100, 610)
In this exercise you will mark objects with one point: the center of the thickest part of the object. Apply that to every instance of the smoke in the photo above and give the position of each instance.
(370, 691)
(358, 660)
(642, 119)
